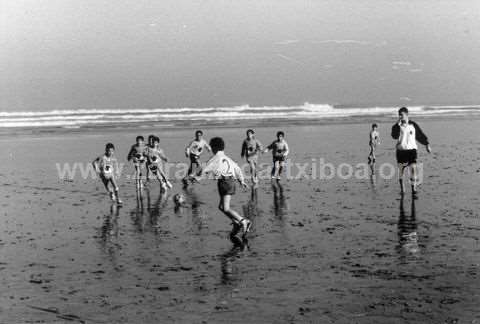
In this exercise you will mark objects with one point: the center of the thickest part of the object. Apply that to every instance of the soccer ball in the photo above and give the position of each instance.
(179, 199)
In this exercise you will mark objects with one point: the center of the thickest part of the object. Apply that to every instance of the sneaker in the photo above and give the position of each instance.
(112, 196)
(119, 201)
(236, 227)
(246, 224)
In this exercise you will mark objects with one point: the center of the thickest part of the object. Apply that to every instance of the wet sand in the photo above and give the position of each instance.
(323, 251)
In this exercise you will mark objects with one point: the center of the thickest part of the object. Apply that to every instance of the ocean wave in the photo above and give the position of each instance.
(82, 117)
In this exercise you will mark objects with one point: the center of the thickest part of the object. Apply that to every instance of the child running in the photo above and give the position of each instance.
(280, 151)
(407, 133)
(374, 140)
(225, 171)
(147, 163)
(250, 149)
(155, 156)
(138, 154)
(193, 152)
(106, 166)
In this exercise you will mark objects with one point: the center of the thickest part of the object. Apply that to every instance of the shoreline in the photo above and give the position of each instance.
(184, 125)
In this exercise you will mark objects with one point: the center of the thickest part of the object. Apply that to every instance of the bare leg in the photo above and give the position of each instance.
(224, 206)
(413, 177)
(401, 170)
(281, 165)
(274, 169)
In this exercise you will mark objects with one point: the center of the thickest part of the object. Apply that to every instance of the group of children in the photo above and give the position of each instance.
(223, 169)
(227, 172)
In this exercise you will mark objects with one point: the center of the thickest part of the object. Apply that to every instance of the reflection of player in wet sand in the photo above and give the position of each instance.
(251, 147)
(250, 209)
(138, 214)
(280, 204)
(407, 229)
(228, 273)
(106, 166)
(155, 210)
(407, 133)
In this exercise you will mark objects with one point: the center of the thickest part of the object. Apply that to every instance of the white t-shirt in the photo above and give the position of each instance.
(221, 165)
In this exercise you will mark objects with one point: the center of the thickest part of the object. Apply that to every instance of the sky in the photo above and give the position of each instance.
(57, 54)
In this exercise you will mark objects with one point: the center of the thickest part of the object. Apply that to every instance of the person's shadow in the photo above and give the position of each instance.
(407, 230)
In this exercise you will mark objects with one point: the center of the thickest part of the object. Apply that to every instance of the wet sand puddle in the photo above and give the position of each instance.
(339, 251)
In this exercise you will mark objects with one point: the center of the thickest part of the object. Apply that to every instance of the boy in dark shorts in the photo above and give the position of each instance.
(225, 171)
(147, 163)
(155, 156)
(250, 149)
(374, 140)
(407, 133)
(193, 152)
(106, 166)
(138, 154)
(280, 151)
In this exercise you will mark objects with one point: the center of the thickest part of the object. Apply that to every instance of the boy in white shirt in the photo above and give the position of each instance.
(225, 171)
(193, 152)
(407, 133)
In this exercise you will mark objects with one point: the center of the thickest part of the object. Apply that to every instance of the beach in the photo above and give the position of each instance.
(339, 250)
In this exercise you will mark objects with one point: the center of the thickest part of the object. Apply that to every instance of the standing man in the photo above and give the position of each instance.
(407, 133)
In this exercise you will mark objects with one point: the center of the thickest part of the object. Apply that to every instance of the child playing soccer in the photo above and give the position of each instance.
(138, 154)
(280, 151)
(374, 140)
(147, 163)
(155, 155)
(250, 149)
(407, 133)
(194, 150)
(106, 166)
(225, 171)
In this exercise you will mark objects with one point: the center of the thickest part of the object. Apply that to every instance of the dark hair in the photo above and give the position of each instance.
(109, 146)
(139, 137)
(280, 133)
(250, 131)
(403, 110)
(198, 132)
(374, 125)
(151, 138)
(155, 139)
(217, 144)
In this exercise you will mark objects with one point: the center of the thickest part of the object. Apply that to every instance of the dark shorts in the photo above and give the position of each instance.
(252, 158)
(194, 158)
(226, 186)
(279, 158)
(407, 156)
